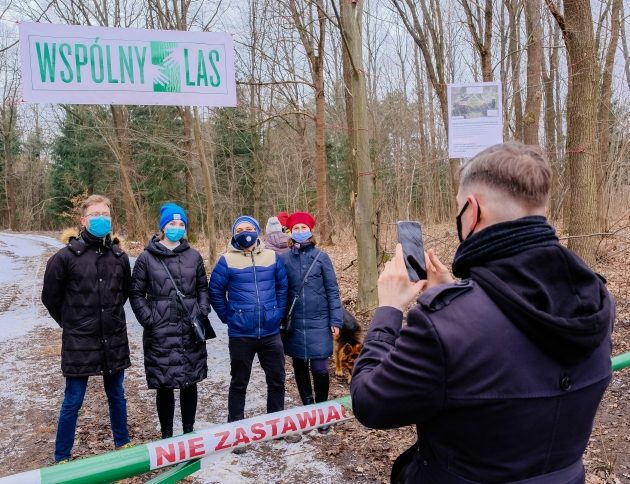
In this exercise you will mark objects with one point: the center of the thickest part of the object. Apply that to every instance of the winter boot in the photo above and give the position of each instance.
(188, 428)
(303, 382)
(166, 434)
(321, 382)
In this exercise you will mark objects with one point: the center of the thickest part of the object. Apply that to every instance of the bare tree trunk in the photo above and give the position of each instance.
(9, 166)
(254, 117)
(513, 48)
(582, 99)
(188, 155)
(134, 219)
(258, 178)
(504, 62)
(531, 119)
(365, 221)
(626, 51)
(321, 163)
(207, 170)
(420, 100)
(352, 133)
(481, 32)
(315, 52)
(604, 116)
(549, 126)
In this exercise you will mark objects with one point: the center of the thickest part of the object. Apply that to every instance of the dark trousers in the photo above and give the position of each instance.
(165, 403)
(271, 356)
(72, 402)
(321, 380)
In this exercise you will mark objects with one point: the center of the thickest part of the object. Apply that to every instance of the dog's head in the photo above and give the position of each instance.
(349, 354)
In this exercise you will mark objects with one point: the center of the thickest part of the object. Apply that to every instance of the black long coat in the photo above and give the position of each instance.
(488, 403)
(172, 357)
(85, 287)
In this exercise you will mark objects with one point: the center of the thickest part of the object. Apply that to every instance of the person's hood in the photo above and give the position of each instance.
(273, 225)
(553, 297)
(77, 240)
(73, 233)
(155, 247)
(279, 240)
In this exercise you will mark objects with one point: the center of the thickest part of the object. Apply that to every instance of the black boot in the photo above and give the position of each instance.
(321, 381)
(188, 428)
(303, 381)
(167, 433)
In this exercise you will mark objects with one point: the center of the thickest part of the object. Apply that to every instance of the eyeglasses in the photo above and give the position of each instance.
(99, 214)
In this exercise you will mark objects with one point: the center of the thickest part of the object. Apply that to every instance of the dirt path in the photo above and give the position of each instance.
(31, 389)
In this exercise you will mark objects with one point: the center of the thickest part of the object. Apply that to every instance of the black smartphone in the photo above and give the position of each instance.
(410, 237)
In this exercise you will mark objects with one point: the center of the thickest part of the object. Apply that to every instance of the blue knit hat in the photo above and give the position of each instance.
(245, 218)
(172, 211)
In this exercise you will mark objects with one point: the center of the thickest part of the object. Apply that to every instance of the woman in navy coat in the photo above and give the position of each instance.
(316, 315)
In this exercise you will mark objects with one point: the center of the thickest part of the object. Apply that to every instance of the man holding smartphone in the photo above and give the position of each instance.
(502, 371)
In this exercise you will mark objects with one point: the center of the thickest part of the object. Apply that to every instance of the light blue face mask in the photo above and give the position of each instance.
(301, 237)
(99, 226)
(174, 234)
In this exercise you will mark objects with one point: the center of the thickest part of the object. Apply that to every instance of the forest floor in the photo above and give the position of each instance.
(31, 386)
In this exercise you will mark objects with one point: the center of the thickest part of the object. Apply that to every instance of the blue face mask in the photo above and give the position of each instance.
(174, 234)
(99, 226)
(246, 239)
(301, 237)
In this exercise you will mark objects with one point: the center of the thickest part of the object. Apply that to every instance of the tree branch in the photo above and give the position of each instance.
(558, 16)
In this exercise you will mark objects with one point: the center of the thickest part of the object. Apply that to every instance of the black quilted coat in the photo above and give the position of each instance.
(86, 285)
(172, 357)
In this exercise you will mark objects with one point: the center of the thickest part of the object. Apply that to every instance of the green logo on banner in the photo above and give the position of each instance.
(168, 78)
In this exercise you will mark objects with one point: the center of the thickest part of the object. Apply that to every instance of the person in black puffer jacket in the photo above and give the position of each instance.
(173, 359)
(85, 287)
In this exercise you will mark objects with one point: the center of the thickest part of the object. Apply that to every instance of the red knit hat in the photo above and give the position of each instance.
(301, 218)
(283, 217)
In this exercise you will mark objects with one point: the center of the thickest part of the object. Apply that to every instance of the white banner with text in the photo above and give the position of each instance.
(98, 65)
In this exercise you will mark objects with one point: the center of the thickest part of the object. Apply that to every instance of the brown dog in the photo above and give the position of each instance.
(347, 345)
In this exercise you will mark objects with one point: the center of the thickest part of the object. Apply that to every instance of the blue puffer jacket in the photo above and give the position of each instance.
(318, 307)
(248, 291)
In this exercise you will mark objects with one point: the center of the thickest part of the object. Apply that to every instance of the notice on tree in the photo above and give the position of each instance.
(97, 65)
(475, 118)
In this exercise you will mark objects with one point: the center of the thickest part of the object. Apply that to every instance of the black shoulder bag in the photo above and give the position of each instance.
(200, 324)
(286, 325)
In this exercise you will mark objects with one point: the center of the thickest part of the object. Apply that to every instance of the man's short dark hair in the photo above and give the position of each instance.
(520, 170)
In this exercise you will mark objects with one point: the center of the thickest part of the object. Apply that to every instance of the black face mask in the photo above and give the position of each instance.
(459, 221)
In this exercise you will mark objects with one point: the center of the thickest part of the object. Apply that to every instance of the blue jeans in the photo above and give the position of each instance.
(73, 399)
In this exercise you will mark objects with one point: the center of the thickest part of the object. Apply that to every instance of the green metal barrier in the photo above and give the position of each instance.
(177, 473)
(183, 453)
(188, 449)
(621, 361)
